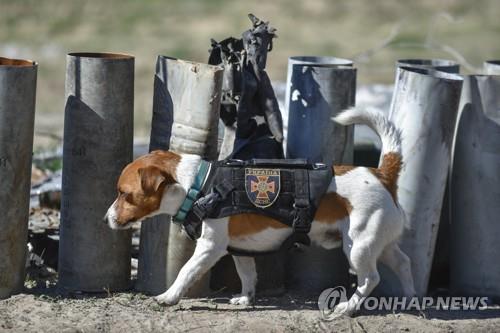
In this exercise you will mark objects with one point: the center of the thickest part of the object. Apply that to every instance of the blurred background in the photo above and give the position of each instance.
(373, 33)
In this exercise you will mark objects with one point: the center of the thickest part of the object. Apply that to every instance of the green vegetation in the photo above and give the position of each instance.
(46, 30)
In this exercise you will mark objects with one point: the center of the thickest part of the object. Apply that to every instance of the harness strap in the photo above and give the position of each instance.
(302, 209)
(193, 192)
(221, 190)
(203, 206)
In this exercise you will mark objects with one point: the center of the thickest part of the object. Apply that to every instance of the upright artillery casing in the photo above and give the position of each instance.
(440, 262)
(492, 67)
(326, 85)
(17, 115)
(317, 89)
(185, 120)
(424, 109)
(98, 143)
(475, 189)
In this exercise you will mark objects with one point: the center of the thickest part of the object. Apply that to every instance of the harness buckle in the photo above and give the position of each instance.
(224, 188)
(301, 217)
(203, 205)
(233, 161)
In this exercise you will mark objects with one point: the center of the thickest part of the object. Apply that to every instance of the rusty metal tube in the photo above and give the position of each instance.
(475, 190)
(98, 142)
(424, 108)
(318, 88)
(185, 120)
(153, 245)
(442, 65)
(17, 114)
(492, 67)
(317, 94)
(440, 265)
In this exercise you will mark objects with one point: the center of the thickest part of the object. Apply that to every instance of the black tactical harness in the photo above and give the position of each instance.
(286, 190)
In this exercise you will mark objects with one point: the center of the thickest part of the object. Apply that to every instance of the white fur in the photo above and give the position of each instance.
(369, 233)
(210, 247)
(187, 169)
(111, 216)
(266, 240)
(377, 121)
(322, 234)
(174, 195)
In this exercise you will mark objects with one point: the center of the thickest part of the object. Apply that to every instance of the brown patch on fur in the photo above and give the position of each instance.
(141, 185)
(332, 208)
(132, 207)
(388, 173)
(248, 224)
(340, 170)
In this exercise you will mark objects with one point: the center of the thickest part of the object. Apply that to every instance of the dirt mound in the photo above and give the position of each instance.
(131, 312)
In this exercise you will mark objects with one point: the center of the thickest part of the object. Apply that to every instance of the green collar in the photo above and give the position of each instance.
(193, 192)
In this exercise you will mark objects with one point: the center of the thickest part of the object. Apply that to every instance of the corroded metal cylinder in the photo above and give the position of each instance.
(424, 108)
(153, 245)
(475, 190)
(317, 92)
(440, 265)
(185, 120)
(310, 60)
(17, 114)
(98, 142)
(492, 67)
(317, 89)
(442, 65)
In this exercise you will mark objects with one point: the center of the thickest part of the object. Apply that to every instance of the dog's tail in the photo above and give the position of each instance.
(390, 136)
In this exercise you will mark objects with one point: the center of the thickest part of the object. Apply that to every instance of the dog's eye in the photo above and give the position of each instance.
(127, 197)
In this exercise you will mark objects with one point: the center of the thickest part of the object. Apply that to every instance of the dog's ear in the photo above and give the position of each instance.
(152, 179)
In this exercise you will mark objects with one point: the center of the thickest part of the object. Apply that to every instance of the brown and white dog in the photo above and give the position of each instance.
(359, 212)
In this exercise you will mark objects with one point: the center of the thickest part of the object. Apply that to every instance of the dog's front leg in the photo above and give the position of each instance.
(211, 246)
(245, 266)
(204, 257)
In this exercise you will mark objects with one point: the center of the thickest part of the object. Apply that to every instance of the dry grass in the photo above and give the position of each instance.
(47, 30)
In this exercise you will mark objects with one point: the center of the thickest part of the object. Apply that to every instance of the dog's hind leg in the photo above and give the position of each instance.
(248, 276)
(211, 246)
(362, 253)
(364, 264)
(399, 263)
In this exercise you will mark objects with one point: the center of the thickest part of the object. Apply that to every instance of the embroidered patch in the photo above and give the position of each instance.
(262, 186)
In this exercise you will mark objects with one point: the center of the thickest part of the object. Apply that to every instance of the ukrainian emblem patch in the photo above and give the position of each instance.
(262, 186)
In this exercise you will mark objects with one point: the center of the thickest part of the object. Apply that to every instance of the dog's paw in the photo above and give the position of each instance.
(345, 309)
(242, 300)
(166, 299)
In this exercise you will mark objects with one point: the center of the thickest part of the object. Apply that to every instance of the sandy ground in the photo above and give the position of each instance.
(42, 309)
(127, 312)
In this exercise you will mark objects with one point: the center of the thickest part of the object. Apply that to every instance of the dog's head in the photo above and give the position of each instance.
(148, 186)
